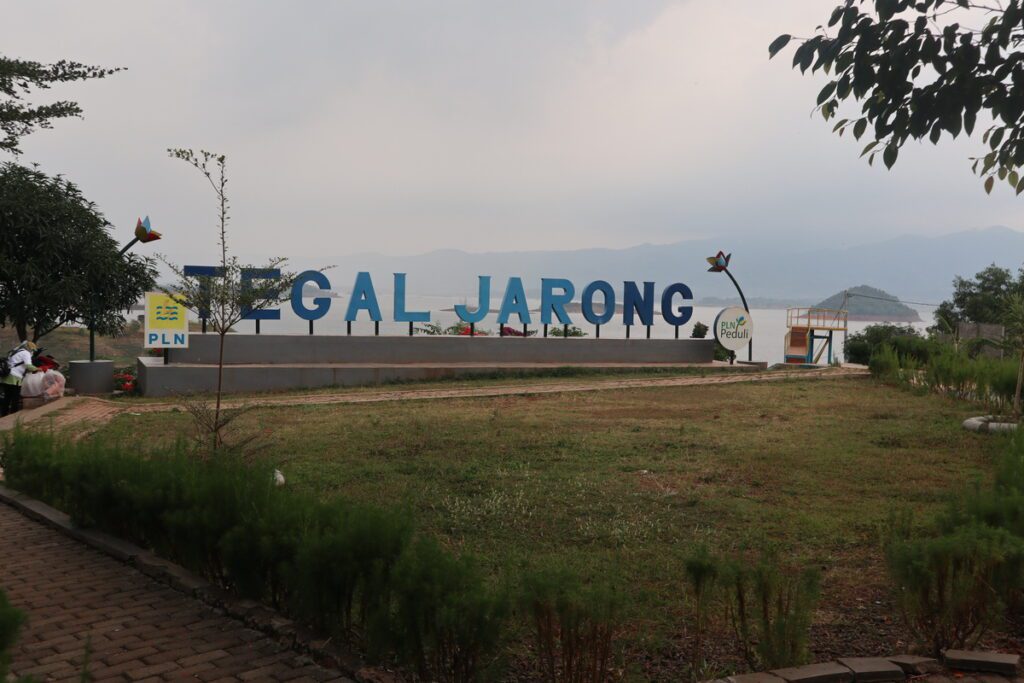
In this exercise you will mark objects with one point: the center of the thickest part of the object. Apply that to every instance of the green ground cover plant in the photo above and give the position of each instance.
(10, 623)
(629, 483)
(989, 381)
(963, 573)
(356, 571)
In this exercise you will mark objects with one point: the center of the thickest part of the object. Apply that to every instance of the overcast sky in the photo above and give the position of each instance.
(402, 127)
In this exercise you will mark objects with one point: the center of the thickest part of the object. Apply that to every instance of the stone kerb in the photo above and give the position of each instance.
(996, 665)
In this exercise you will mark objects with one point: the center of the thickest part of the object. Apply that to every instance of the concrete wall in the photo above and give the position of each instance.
(156, 379)
(265, 362)
(314, 349)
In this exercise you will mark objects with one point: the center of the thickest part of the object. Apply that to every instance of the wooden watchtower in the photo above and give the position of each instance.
(805, 326)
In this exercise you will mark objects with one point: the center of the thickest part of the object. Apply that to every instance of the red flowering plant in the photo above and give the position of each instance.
(124, 380)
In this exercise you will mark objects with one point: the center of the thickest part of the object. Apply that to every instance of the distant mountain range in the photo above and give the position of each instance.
(912, 268)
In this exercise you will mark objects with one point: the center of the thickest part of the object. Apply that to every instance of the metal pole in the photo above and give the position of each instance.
(410, 329)
(545, 329)
(648, 331)
(627, 331)
(565, 331)
(128, 246)
(311, 327)
(257, 325)
(597, 330)
(750, 345)
(472, 329)
(348, 327)
(376, 328)
(525, 330)
(677, 331)
(846, 296)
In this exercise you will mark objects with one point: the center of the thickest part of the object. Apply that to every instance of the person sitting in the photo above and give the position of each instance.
(20, 362)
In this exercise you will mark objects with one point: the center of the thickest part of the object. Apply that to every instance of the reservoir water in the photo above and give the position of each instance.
(769, 324)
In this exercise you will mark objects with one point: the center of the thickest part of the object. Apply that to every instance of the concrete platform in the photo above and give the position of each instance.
(157, 379)
(255, 363)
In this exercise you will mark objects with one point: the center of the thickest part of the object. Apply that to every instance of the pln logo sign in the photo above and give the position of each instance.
(166, 322)
(734, 328)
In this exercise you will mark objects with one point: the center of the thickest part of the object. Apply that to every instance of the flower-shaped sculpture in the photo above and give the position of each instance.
(719, 262)
(144, 232)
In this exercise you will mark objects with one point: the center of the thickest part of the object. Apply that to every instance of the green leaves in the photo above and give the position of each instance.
(19, 77)
(826, 92)
(78, 276)
(989, 182)
(915, 78)
(859, 128)
(890, 154)
(779, 43)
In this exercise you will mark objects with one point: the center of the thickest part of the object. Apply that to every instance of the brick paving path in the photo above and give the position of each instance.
(95, 412)
(138, 629)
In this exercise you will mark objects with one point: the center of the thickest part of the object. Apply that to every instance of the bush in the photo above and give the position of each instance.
(352, 570)
(10, 622)
(702, 574)
(447, 624)
(573, 331)
(860, 346)
(949, 585)
(884, 363)
(960, 575)
(771, 611)
(574, 625)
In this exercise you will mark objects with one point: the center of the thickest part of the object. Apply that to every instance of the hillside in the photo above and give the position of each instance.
(870, 303)
(767, 268)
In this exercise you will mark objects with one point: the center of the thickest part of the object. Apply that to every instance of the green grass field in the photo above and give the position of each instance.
(626, 482)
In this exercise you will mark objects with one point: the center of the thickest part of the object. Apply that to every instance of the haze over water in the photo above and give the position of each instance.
(769, 324)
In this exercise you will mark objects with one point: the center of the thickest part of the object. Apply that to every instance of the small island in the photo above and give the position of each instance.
(871, 304)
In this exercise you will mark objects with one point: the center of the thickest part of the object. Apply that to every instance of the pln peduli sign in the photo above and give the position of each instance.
(734, 328)
(166, 322)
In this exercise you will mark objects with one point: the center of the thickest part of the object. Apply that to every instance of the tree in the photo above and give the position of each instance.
(225, 300)
(1013, 340)
(981, 299)
(18, 78)
(917, 72)
(58, 262)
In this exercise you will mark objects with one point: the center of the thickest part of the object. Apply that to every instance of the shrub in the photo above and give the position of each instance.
(860, 346)
(702, 574)
(949, 585)
(344, 564)
(573, 331)
(771, 610)
(574, 625)
(10, 621)
(352, 570)
(884, 363)
(447, 624)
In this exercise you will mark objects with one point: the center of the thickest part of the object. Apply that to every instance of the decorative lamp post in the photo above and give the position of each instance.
(143, 233)
(720, 264)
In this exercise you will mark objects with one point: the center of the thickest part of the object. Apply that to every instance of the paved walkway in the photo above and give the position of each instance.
(138, 629)
(95, 412)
